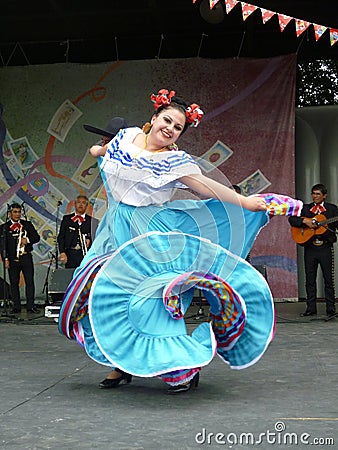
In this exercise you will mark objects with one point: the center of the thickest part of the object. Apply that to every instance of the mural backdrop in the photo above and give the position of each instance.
(245, 138)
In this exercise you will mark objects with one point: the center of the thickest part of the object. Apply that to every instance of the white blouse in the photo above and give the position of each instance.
(139, 177)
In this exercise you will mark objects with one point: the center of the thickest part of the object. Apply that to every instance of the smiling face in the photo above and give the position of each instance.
(317, 196)
(167, 126)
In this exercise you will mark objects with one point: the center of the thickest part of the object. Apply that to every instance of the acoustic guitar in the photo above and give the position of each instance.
(305, 234)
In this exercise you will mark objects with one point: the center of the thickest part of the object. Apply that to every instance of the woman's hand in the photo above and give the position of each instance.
(254, 203)
(63, 258)
(98, 150)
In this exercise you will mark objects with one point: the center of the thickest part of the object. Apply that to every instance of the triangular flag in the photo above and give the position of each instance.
(301, 26)
(283, 21)
(213, 3)
(319, 30)
(333, 35)
(229, 4)
(247, 10)
(266, 15)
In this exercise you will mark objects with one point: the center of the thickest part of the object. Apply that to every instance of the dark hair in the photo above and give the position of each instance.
(83, 196)
(319, 187)
(14, 206)
(177, 103)
(237, 188)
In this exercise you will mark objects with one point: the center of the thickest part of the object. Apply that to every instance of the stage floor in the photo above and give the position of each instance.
(50, 397)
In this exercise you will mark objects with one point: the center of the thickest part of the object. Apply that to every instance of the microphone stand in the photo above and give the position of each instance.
(56, 234)
(52, 257)
(45, 286)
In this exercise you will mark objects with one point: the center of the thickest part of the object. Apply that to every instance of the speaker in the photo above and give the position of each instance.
(262, 269)
(59, 281)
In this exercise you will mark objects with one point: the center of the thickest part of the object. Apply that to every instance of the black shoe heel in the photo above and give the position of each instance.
(193, 384)
(108, 383)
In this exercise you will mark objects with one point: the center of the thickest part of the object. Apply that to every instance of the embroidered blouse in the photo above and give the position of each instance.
(140, 177)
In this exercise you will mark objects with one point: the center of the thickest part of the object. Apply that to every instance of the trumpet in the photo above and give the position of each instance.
(20, 247)
(82, 240)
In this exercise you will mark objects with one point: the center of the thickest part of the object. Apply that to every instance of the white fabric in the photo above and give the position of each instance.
(139, 177)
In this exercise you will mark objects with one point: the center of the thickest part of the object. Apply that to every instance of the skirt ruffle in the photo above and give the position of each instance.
(128, 325)
(127, 300)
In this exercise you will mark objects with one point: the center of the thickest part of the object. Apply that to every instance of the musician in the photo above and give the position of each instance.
(16, 245)
(319, 248)
(76, 234)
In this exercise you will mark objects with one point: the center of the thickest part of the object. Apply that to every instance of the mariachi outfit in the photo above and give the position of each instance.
(126, 302)
(74, 230)
(319, 251)
(20, 259)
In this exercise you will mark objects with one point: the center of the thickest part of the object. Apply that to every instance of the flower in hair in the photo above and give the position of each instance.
(193, 112)
(162, 98)
(194, 115)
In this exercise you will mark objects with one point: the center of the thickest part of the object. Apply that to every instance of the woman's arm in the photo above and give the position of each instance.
(98, 150)
(209, 188)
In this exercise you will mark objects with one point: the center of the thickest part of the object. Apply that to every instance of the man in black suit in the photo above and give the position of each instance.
(77, 232)
(17, 237)
(319, 249)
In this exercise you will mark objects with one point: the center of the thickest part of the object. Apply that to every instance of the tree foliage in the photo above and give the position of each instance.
(317, 83)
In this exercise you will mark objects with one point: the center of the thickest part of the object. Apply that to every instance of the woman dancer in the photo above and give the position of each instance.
(126, 302)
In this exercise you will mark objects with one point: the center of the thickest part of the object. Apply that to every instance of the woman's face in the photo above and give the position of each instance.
(167, 126)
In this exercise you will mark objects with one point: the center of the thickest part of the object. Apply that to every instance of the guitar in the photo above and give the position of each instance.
(305, 234)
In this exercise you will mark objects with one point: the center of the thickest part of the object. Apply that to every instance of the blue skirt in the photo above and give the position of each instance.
(127, 300)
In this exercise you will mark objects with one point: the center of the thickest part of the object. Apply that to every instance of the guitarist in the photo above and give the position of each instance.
(318, 250)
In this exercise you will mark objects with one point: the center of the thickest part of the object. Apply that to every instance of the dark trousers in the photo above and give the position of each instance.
(74, 258)
(26, 266)
(322, 256)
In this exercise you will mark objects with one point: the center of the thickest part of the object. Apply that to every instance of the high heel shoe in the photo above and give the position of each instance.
(192, 384)
(108, 383)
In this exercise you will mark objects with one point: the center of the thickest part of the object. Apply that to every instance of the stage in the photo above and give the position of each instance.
(51, 400)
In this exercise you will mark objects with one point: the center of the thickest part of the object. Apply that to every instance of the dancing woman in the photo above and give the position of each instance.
(126, 302)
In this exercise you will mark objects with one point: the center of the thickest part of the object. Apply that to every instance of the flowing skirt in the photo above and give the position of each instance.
(127, 300)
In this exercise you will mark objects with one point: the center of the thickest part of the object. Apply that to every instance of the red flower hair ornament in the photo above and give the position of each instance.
(193, 112)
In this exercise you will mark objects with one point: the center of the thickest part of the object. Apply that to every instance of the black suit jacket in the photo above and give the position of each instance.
(68, 233)
(8, 238)
(331, 211)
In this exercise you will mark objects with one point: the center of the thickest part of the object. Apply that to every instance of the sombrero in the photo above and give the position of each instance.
(112, 128)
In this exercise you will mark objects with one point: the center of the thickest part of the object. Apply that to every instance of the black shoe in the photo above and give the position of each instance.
(309, 313)
(15, 311)
(193, 384)
(108, 383)
(33, 310)
(331, 314)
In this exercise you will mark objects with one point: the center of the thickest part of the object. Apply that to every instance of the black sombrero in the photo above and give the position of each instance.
(112, 128)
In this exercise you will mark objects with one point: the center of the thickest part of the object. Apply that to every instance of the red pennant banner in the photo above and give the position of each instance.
(213, 3)
(266, 15)
(283, 21)
(230, 4)
(301, 26)
(247, 10)
(319, 30)
(333, 35)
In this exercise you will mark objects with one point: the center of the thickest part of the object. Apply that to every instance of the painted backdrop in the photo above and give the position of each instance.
(245, 138)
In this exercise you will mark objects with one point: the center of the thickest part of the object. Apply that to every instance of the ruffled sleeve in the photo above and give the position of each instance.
(281, 205)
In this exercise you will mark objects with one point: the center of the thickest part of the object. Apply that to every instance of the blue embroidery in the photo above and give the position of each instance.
(158, 168)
